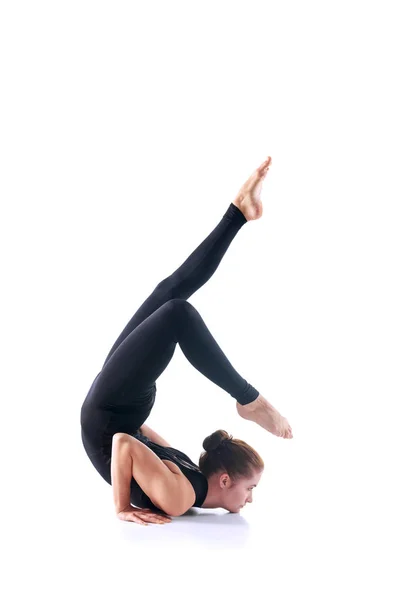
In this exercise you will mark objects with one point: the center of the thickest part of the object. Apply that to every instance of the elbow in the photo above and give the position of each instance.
(174, 513)
(168, 508)
(176, 509)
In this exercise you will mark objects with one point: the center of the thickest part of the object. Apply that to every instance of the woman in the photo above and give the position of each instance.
(139, 464)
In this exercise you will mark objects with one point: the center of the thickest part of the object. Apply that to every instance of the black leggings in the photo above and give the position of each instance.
(123, 393)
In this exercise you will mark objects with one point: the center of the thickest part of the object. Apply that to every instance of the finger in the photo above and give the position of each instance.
(158, 515)
(153, 518)
(136, 519)
(164, 516)
(150, 517)
(160, 520)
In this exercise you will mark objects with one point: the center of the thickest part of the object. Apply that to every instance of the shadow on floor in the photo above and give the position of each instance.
(212, 529)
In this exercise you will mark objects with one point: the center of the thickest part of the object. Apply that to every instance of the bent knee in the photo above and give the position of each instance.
(178, 306)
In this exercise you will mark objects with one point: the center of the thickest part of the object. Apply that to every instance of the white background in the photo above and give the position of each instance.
(127, 128)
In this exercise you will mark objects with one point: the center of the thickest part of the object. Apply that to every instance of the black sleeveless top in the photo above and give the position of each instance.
(186, 465)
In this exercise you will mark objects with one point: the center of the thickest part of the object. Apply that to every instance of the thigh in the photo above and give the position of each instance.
(160, 295)
(100, 459)
(143, 355)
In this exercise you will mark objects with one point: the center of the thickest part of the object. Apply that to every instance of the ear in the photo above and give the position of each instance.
(224, 480)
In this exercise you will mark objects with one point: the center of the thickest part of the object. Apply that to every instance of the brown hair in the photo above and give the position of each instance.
(223, 452)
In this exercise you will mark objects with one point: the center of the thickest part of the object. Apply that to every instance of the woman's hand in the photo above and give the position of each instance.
(143, 516)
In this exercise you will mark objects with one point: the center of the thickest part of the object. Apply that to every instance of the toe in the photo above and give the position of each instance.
(260, 172)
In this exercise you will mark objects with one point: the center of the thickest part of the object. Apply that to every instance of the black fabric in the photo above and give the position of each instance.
(186, 465)
(122, 395)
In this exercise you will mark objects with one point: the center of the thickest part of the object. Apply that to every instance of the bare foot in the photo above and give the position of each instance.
(248, 199)
(264, 414)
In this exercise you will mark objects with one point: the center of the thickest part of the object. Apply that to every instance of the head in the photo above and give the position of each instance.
(232, 468)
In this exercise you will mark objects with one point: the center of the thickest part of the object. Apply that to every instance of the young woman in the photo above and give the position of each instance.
(142, 467)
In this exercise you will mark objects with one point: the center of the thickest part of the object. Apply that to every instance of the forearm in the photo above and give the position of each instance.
(121, 474)
(153, 436)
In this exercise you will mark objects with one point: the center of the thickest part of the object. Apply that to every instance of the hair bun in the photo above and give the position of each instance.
(216, 439)
(226, 454)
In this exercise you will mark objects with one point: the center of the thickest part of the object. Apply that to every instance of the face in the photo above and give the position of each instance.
(239, 494)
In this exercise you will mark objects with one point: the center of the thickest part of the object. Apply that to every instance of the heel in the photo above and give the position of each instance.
(245, 411)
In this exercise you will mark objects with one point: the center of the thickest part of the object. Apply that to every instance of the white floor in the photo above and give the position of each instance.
(321, 525)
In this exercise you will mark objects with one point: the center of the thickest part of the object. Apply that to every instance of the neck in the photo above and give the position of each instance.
(213, 499)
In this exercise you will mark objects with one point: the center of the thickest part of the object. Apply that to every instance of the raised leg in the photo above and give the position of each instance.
(203, 262)
(146, 346)
(192, 274)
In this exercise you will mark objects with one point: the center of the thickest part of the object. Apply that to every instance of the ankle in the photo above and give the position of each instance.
(238, 202)
(244, 410)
